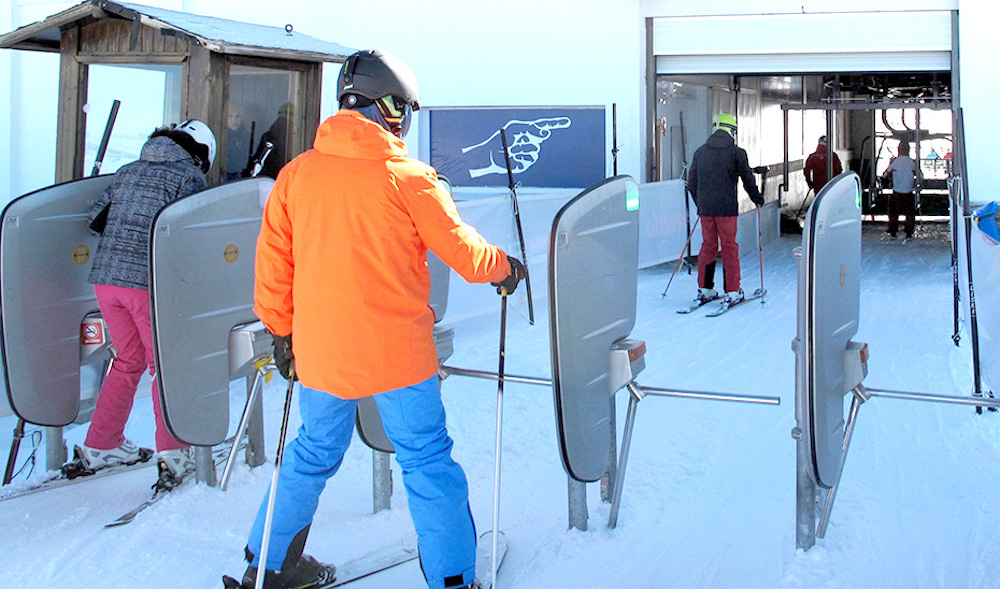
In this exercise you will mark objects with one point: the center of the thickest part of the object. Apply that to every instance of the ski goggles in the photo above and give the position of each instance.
(394, 110)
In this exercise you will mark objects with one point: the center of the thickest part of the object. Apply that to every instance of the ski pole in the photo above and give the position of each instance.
(15, 445)
(520, 232)
(496, 454)
(762, 170)
(103, 147)
(272, 496)
(258, 165)
(684, 179)
(614, 138)
(760, 254)
(679, 259)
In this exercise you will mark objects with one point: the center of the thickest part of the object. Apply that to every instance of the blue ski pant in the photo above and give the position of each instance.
(414, 420)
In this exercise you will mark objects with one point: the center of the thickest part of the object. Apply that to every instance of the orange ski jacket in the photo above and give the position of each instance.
(342, 259)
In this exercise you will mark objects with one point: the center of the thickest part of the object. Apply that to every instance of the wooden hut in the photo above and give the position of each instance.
(216, 70)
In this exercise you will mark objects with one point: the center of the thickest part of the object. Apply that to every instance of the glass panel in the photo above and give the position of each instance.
(261, 108)
(140, 113)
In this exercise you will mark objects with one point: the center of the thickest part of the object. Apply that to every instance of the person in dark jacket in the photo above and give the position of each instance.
(172, 165)
(715, 168)
(815, 168)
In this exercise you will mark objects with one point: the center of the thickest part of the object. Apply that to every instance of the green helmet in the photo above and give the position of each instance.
(726, 122)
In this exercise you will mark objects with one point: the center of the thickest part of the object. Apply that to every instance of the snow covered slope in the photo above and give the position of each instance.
(709, 498)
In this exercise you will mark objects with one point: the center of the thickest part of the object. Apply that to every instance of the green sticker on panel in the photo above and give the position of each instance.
(632, 198)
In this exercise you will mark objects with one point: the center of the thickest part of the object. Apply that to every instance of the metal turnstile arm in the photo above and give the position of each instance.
(860, 396)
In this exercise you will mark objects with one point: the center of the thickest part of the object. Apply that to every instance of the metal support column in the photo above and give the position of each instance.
(55, 448)
(577, 504)
(830, 144)
(255, 454)
(608, 481)
(204, 465)
(920, 174)
(381, 481)
(873, 187)
(805, 495)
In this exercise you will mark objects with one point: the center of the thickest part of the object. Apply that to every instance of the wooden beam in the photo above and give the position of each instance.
(312, 96)
(204, 97)
(71, 124)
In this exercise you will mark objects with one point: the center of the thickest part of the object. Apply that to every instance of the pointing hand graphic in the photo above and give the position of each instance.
(525, 139)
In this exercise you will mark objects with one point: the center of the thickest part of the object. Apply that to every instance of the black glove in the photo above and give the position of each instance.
(759, 201)
(283, 357)
(517, 274)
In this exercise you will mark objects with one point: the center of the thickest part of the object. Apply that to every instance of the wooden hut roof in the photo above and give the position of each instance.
(219, 35)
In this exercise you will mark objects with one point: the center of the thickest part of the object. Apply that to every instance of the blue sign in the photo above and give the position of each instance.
(552, 147)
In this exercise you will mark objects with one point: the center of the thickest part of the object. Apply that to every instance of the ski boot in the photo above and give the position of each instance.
(88, 460)
(706, 295)
(174, 466)
(93, 458)
(733, 297)
(308, 572)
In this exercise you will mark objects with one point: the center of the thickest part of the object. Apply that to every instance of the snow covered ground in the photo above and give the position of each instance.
(709, 496)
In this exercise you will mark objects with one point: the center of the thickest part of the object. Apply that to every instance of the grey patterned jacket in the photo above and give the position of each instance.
(164, 172)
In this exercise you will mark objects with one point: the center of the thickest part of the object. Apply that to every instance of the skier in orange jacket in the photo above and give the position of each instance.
(342, 265)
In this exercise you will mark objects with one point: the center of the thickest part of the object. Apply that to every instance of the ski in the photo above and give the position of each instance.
(696, 304)
(375, 562)
(724, 306)
(75, 472)
(364, 566)
(484, 557)
(402, 552)
(219, 456)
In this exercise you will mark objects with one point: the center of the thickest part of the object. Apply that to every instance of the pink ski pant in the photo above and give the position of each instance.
(126, 312)
(716, 231)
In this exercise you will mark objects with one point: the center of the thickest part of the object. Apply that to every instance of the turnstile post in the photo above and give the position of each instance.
(381, 481)
(55, 448)
(577, 504)
(805, 495)
(204, 465)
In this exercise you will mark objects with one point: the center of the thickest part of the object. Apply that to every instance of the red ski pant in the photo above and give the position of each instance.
(716, 231)
(126, 312)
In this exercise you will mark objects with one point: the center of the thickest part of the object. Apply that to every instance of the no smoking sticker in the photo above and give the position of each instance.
(91, 334)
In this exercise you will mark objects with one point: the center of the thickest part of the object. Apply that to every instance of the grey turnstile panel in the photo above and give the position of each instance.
(202, 281)
(247, 344)
(46, 252)
(828, 315)
(440, 279)
(369, 420)
(593, 272)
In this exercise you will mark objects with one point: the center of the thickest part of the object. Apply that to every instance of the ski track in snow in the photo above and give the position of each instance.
(709, 495)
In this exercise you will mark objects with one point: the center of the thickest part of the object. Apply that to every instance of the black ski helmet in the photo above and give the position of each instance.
(374, 74)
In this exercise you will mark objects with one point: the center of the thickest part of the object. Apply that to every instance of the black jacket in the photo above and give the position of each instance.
(715, 167)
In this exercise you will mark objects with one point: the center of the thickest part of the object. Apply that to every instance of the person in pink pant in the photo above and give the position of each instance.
(172, 165)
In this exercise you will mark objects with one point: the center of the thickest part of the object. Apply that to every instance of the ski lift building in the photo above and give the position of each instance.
(212, 66)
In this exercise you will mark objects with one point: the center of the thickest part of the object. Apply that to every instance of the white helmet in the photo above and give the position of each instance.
(203, 135)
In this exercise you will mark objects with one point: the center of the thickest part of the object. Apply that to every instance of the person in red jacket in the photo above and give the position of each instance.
(815, 168)
(342, 264)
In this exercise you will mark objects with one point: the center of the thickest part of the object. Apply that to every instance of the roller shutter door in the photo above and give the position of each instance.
(804, 43)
